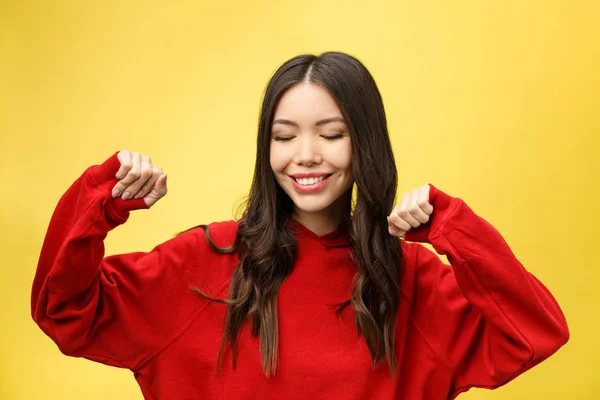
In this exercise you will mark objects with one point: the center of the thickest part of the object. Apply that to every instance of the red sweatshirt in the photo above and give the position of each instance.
(477, 323)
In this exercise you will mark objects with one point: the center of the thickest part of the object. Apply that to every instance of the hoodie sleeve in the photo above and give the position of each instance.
(487, 318)
(119, 310)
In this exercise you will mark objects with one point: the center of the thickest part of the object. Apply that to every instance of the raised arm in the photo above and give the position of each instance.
(486, 316)
(111, 309)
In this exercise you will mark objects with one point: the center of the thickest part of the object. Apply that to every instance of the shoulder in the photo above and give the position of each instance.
(212, 269)
(221, 233)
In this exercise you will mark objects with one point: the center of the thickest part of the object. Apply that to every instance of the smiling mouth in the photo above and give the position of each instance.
(310, 184)
(310, 181)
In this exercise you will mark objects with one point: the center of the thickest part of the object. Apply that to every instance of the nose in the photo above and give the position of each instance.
(308, 152)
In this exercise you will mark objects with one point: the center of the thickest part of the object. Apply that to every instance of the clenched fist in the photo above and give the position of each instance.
(138, 178)
(413, 211)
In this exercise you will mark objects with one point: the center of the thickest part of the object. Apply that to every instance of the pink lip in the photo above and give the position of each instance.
(309, 188)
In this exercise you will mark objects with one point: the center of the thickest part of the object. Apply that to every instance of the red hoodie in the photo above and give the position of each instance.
(477, 323)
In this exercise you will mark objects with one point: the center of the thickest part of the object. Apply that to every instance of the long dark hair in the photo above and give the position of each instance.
(265, 243)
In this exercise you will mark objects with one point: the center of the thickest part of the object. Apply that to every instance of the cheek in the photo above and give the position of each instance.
(341, 157)
(277, 158)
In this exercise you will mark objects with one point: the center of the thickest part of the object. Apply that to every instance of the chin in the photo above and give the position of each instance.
(309, 206)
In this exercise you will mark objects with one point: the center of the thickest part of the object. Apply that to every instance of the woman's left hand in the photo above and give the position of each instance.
(412, 212)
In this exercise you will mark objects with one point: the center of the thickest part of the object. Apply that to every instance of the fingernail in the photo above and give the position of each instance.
(126, 195)
(137, 196)
(115, 192)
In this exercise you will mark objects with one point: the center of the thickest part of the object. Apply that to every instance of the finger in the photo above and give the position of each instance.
(149, 185)
(414, 209)
(145, 173)
(159, 191)
(125, 159)
(134, 171)
(397, 221)
(394, 231)
(423, 200)
(161, 185)
(403, 212)
(132, 175)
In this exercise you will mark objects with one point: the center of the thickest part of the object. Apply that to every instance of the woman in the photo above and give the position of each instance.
(311, 294)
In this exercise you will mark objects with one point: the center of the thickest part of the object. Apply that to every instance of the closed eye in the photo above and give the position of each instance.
(332, 137)
(282, 138)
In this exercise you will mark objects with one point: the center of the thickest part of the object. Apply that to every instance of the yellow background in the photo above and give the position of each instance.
(493, 102)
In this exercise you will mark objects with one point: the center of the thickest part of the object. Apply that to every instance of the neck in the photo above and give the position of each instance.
(324, 221)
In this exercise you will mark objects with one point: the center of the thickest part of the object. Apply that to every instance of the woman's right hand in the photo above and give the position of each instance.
(138, 178)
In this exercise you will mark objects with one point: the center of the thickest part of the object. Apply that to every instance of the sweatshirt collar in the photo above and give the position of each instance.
(337, 238)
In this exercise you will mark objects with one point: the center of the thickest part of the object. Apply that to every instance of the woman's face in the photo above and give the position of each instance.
(311, 152)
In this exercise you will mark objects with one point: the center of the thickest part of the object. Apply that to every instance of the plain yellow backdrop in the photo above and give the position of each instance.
(493, 102)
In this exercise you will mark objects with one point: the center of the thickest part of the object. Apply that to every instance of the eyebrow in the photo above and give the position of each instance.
(318, 123)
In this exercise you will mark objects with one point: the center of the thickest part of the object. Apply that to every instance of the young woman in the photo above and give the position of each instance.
(311, 294)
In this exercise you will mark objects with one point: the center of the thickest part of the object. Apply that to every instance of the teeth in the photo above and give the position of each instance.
(309, 181)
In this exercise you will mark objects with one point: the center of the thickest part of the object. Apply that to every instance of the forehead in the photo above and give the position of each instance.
(307, 101)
